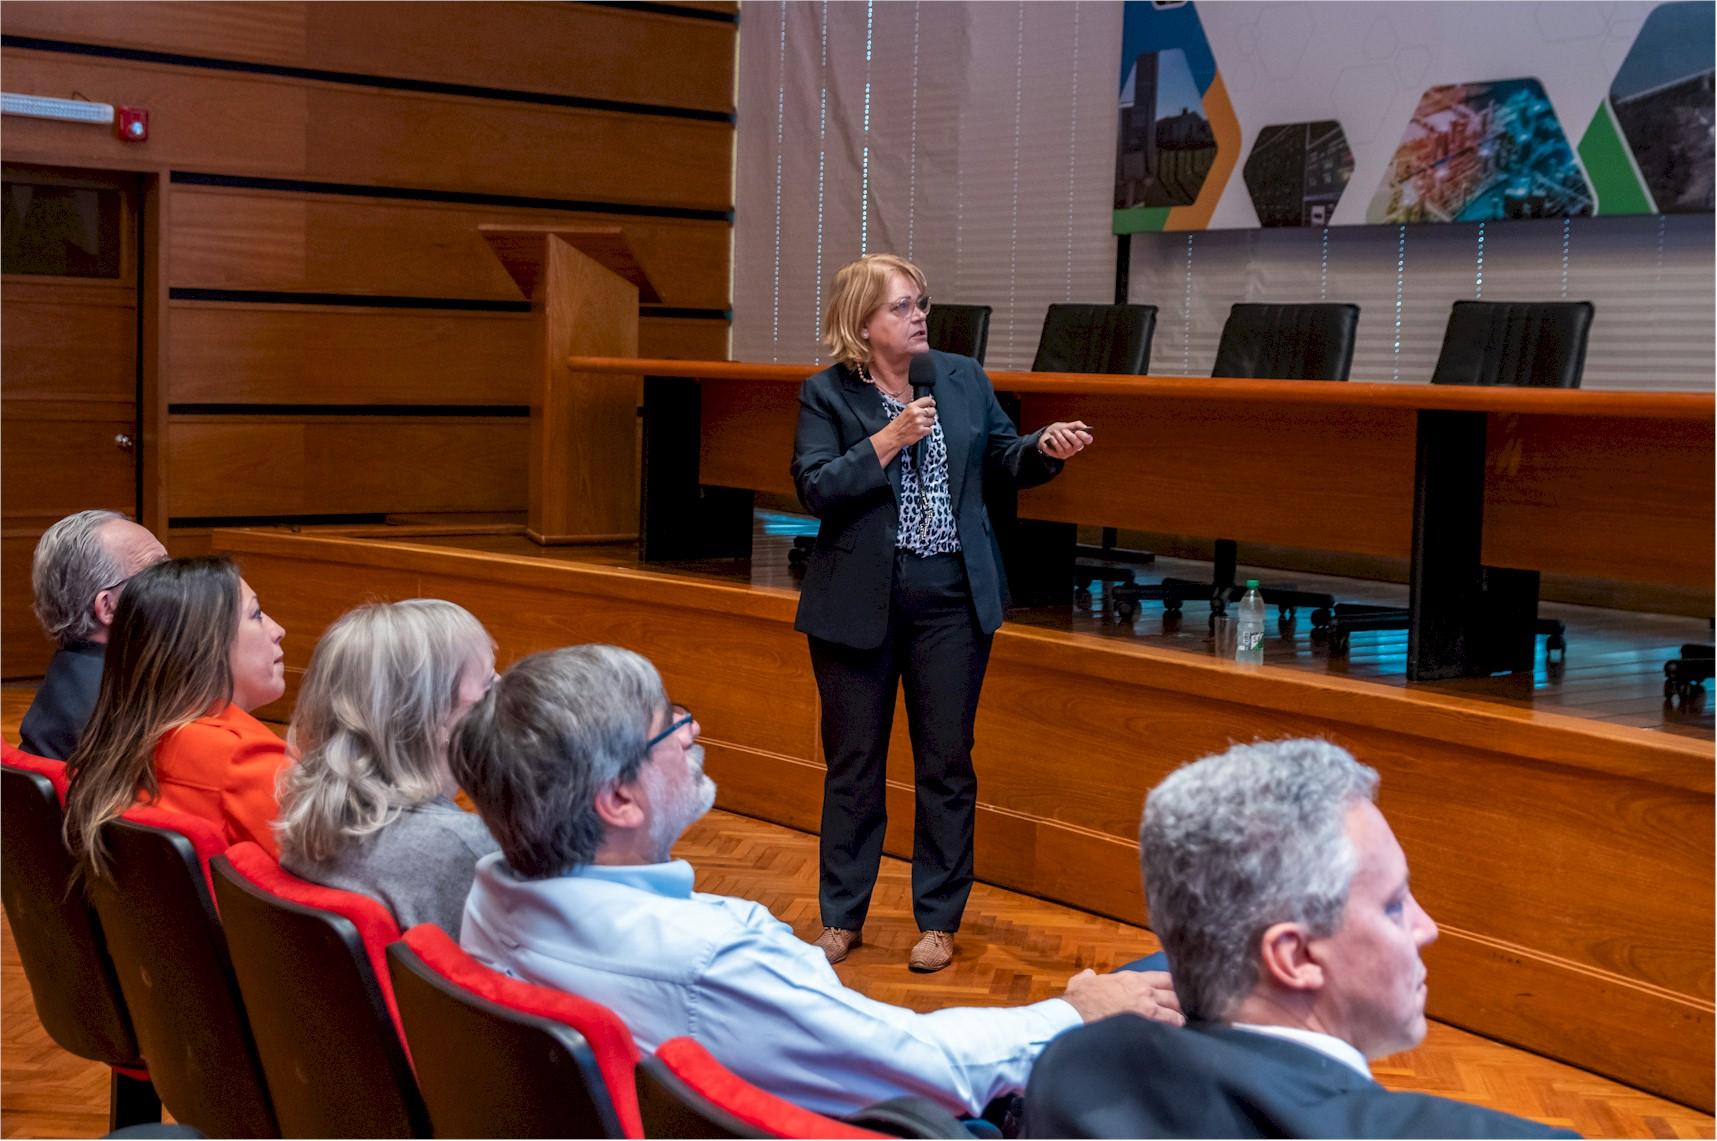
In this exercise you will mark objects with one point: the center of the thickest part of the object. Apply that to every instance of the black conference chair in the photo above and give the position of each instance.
(307, 958)
(1527, 344)
(963, 329)
(1265, 342)
(1684, 678)
(1112, 339)
(60, 941)
(159, 915)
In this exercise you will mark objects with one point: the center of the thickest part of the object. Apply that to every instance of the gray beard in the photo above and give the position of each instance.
(667, 825)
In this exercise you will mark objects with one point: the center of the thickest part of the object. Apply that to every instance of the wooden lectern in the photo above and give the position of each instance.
(584, 285)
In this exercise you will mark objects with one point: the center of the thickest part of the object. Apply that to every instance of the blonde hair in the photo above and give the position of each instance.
(372, 720)
(167, 664)
(859, 289)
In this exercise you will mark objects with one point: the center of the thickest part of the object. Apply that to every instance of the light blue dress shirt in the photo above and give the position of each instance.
(671, 961)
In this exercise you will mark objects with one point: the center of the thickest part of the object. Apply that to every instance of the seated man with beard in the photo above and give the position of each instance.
(586, 775)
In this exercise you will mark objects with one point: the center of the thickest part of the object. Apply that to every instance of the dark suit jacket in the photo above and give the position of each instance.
(64, 702)
(1128, 1077)
(844, 598)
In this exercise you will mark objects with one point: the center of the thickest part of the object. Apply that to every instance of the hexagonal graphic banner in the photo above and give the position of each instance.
(1276, 113)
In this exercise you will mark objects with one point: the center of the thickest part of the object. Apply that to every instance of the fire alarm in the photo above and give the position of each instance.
(132, 124)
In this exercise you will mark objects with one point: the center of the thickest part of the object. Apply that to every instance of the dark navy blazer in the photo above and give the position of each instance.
(845, 595)
(64, 701)
(1129, 1077)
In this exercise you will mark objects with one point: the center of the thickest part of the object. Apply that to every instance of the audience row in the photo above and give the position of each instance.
(1278, 890)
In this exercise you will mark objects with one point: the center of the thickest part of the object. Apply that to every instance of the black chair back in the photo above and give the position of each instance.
(1287, 342)
(1096, 338)
(489, 1071)
(178, 981)
(1528, 344)
(671, 1108)
(334, 1062)
(963, 329)
(59, 938)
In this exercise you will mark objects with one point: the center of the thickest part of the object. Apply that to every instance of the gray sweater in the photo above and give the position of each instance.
(420, 866)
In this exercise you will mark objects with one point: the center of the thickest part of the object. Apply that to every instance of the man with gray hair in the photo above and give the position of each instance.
(81, 564)
(1281, 897)
(586, 776)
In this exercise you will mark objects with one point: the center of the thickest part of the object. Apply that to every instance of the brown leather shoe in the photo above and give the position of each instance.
(935, 950)
(835, 942)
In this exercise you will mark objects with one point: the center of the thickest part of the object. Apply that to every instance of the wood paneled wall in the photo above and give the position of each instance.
(325, 332)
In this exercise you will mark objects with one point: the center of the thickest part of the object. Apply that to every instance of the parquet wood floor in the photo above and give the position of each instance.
(1012, 949)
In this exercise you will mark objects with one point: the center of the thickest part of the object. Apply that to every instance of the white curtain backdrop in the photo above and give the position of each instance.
(975, 139)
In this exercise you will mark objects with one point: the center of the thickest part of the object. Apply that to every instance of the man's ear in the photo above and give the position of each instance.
(105, 604)
(1286, 958)
(617, 806)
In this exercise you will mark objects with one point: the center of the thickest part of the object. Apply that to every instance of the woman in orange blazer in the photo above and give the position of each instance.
(190, 655)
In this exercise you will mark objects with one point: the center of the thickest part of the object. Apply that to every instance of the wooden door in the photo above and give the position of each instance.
(68, 372)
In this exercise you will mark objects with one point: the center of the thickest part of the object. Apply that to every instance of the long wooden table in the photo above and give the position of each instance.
(1480, 488)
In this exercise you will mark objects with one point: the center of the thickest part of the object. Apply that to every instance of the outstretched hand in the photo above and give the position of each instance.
(1149, 994)
(1062, 440)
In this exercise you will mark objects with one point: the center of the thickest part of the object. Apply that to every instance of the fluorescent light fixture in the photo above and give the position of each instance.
(63, 110)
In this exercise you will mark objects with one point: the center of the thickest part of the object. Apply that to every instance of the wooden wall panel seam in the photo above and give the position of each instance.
(327, 300)
(359, 79)
(461, 197)
(267, 126)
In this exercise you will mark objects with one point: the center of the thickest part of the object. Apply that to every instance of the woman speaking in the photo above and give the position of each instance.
(905, 583)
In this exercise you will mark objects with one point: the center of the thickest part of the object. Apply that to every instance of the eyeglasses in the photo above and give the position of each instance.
(903, 308)
(680, 718)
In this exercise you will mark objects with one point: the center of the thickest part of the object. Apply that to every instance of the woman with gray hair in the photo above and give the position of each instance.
(368, 806)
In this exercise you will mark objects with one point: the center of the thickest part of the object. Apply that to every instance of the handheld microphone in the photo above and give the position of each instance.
(921, 374)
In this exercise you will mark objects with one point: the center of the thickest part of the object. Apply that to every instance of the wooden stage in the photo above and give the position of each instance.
(1568, 859)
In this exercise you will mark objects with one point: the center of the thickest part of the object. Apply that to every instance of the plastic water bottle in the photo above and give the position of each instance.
(1249, 627)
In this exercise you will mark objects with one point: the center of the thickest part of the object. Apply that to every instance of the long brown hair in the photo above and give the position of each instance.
(167, 665)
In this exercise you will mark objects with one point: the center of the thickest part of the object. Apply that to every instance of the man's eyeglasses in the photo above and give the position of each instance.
(680, 718)
(903, 308)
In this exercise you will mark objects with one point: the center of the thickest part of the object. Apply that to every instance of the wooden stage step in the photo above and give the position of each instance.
(1567, 858)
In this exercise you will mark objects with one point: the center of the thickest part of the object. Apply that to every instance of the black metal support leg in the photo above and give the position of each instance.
(132, 1101)
(1466, 620)
(681, 518)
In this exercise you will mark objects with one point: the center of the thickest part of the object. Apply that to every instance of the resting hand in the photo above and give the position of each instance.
(1062, 440)
(1149, 994)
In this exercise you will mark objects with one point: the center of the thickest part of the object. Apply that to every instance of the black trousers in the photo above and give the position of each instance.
(935, 647)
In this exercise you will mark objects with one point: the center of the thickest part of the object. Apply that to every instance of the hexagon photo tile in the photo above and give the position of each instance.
(1663, 105)
(1166, 145)
(1296, 172)
(1479, 152)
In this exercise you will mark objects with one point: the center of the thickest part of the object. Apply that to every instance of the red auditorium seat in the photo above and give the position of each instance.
(157, 908)
(59, 938)
(684, 1092)
(312, 966)
(497, 1057)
